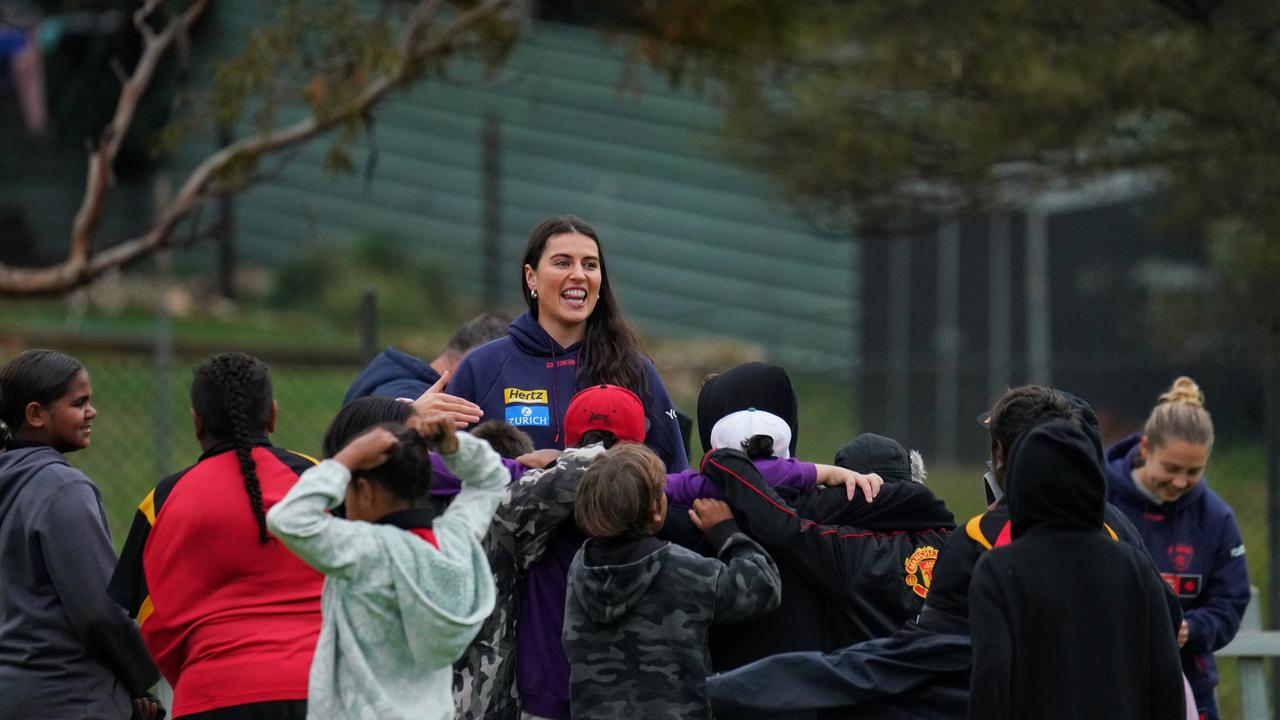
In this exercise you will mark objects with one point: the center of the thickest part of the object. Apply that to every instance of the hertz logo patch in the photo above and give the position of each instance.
(919, 569)
(516, 395)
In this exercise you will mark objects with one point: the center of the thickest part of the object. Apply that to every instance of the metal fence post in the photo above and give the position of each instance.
(898, 339)
(1039, 310)
(491, 207)
(999, 296)
(368, 324)
(162, 358)
(1253, 674)
(947, 337)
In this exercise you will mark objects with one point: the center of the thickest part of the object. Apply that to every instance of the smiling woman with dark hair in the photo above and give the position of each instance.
(572, 337)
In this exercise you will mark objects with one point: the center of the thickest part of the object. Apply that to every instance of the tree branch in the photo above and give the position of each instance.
(101, 158)
(82, 266)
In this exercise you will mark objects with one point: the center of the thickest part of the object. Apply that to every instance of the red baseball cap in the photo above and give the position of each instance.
(604, 407)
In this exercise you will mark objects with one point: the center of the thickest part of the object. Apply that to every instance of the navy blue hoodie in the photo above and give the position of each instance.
(1197, 548)
(527, 379)
(393, 374)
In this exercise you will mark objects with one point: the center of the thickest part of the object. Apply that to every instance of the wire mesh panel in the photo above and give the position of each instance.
(143, 431)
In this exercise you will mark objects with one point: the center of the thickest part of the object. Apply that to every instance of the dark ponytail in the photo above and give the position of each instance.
(758, 446)
(39, 376)
(231, 393)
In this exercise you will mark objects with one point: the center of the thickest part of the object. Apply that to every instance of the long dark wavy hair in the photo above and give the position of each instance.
(231, 393)
(612, 347)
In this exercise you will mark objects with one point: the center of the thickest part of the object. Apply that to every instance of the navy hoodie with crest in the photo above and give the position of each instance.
(1197, 547)
(528, 379)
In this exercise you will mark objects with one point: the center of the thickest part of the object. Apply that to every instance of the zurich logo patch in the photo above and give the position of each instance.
(528, 415)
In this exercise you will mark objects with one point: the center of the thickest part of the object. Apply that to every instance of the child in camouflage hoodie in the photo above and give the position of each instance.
(639, 610)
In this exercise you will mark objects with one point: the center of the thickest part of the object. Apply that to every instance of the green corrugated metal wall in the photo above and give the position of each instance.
(696, 245)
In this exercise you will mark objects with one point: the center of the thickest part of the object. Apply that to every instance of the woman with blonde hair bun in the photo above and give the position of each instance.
(1156, 477)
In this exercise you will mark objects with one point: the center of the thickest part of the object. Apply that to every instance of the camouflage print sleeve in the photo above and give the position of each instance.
(748, 584)
(538, 503)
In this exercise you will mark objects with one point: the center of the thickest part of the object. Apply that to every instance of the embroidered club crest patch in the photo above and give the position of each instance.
(1180, 556)
(919, 569)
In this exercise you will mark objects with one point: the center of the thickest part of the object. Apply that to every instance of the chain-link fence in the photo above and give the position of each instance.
(143, 431)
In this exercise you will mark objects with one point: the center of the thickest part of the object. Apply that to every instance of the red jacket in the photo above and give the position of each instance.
(229, 620)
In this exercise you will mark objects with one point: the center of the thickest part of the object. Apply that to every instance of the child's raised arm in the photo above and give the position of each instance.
(484, 478)
(302, 521)
(748, 583)
(538, 504)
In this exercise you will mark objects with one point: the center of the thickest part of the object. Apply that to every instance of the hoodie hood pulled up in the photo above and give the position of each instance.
(1055, 480)
(750, 385)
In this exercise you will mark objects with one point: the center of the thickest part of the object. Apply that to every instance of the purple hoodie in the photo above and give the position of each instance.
(542, 667)
(688, 485)
(446, 484)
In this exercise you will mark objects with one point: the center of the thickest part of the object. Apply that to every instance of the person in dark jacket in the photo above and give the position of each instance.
(1067, 623)
(873, 580)
(66, 650)
(573, 336)
(799, 622)
(639, 609)
(397, 374)
(923, 669)
(1156, 478)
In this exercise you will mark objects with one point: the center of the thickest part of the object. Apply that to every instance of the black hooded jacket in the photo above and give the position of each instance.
(923, 670)
(1065, 622)
(874, 580)
(799, 623)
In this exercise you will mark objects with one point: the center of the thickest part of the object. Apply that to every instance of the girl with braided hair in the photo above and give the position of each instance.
(228, 613)
(66, 651)
(1156, 478)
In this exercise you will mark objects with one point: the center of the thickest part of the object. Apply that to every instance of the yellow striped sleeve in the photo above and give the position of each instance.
(148, 507)
(973, 529)
(313, 460)
(145, 611)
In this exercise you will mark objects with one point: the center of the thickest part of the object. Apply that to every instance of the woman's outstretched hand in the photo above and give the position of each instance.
(436, 401)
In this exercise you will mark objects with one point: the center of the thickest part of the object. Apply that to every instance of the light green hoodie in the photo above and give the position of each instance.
(397, 611)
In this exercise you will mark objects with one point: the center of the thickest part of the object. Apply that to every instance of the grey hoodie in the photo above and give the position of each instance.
(398, 609)
(66, 649)
(638, 615)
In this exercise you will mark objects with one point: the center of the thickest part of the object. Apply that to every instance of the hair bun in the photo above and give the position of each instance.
(1184, 390)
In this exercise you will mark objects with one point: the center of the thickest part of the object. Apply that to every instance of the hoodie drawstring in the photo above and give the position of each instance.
(555, 407)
